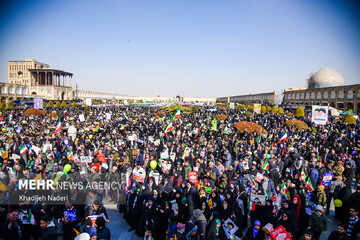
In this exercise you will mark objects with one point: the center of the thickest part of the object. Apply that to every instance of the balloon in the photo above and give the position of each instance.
(90, 136)
(268, 156)
(67, 168)
(59, 174)
(153, 164)
(338, 203)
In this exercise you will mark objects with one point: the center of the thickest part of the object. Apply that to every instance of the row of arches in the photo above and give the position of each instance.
(19, 90)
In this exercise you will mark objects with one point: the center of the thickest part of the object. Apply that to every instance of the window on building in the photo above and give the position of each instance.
(341, 94)
(333, 94)
(318, 95)
(312, 95)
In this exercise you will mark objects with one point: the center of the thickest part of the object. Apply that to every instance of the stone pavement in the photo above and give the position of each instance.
(118, 226)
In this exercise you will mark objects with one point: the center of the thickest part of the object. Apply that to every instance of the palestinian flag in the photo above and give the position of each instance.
(95, 149)
(58, 128)
(283, 138)
(287, 194)
(23, 150)
(70, 155)
(286, 191)
(266, 166)
(9, 134)
(309, 185)
(302, 175)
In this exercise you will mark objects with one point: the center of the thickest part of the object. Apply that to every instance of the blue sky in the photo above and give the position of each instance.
(192, 48)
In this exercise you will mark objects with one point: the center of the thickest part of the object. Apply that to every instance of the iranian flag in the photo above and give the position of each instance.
(9, 134)
(259, 137)
(169, 128)
(176, 115)
(58, 128)
(70, 155)
(302, 175)
(95, 149)
(109, 144)
(23, 150)
(65, 111)
(283, 138)
(193, 155)
(107, 123)
(266, 166)
(183, 156)
(309, 185)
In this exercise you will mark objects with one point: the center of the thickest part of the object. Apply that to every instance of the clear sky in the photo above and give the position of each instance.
(199, 48)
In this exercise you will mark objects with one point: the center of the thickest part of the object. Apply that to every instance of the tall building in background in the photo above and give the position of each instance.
(29, 79)
(18, 71)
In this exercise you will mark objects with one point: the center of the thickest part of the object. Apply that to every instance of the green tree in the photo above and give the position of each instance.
(44, 104)
(280, 111)
(349, 118)
(63, 104)
(268, 108)
(58, 104)
(2, 106)
(299, 112)
(274, 109)
(50, 104)
(10, 105)
(74, 104)
(194, 109)
(263, 109)
(87, 109)
(250, 108)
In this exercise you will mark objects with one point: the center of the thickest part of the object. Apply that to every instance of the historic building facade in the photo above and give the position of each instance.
(263, 98)
(340, 97)
(29, 79)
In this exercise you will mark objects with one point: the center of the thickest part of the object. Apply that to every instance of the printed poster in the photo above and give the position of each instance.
(38, 103)
(280, 233)
(327, 178)
(257, 108)
(319, 115)
(175, 207)
(230, 228)
(193, 178)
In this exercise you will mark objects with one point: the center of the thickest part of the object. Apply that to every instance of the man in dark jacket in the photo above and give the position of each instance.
(96, 210)
(48, 229)
(11, 228)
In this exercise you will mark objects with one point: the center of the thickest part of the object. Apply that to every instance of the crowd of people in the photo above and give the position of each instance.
(195, 180)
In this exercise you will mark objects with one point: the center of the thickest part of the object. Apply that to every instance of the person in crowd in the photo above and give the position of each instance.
(318, 222)
(236, 169)
(339, 234)
(49, 231)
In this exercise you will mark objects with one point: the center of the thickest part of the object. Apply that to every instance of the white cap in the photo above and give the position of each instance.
(83, 236)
